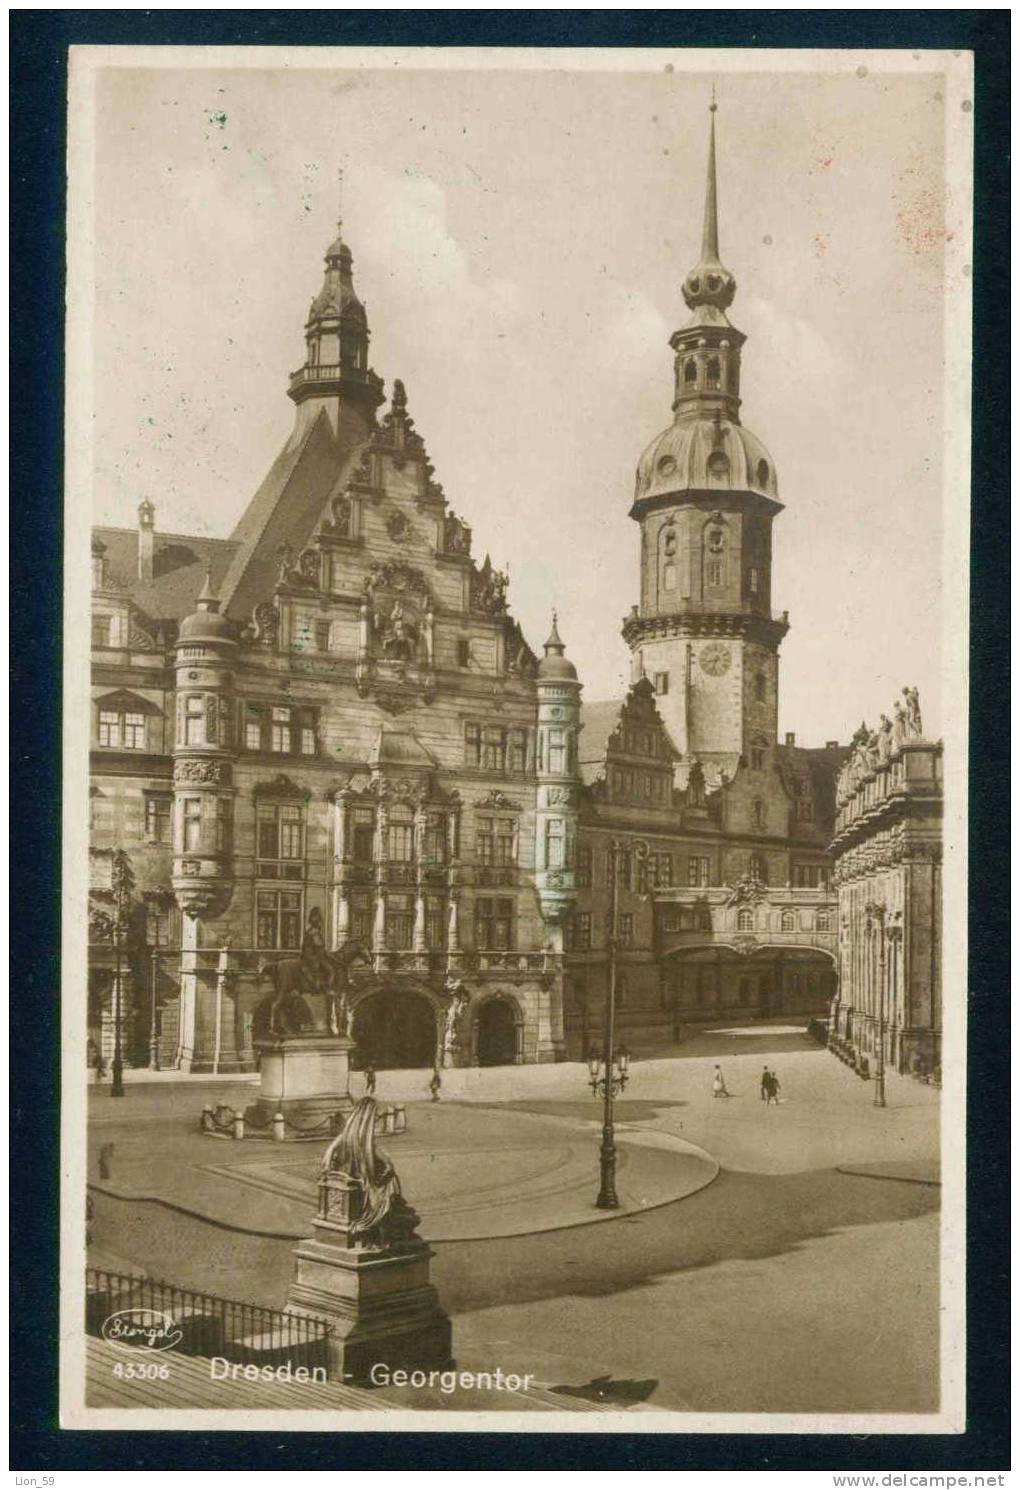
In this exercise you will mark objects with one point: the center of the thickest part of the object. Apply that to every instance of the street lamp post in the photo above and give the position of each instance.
(894, 936)
(609, 1076)
(117, 1082)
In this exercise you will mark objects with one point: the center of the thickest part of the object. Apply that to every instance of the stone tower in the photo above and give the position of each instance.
(705, 498)
(559, 721)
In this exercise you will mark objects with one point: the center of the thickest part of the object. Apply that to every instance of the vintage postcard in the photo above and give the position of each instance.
(514, 884)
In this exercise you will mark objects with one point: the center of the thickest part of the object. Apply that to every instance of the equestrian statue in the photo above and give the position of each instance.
(315, 973)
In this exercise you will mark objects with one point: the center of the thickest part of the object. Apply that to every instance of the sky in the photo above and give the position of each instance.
(519, 240)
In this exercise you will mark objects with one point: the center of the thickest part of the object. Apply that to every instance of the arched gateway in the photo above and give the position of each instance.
(394, 1029)
(498, 1033)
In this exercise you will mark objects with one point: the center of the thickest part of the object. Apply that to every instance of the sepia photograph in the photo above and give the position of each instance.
(514, 946)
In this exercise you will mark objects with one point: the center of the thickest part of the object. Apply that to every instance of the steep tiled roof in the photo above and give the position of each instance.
(180, 563)
(284, 510)
(598, 721)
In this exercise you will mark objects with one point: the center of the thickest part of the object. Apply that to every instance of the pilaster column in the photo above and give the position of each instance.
(453, 925)
(419, 920)
(189, 992)
(342, 917)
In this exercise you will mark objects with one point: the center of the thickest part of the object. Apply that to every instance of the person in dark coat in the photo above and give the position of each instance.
(765, 1084)
(369, 1080)
(773, 1092)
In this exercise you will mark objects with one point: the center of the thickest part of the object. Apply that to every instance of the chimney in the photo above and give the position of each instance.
(791, 738)
(146, 540)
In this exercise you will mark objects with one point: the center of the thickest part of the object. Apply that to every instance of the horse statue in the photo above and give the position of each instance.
(286, 1011)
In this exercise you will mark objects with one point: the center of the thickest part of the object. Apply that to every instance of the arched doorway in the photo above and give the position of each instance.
(498, 1033)
(394, 1029)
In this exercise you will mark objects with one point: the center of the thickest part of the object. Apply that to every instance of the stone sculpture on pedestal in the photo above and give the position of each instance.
(365, 1270)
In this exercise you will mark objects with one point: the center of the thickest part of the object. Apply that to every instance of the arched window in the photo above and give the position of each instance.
(745, 920)
(788, 922)
(712, 372)
(690, 372)
(718, 465)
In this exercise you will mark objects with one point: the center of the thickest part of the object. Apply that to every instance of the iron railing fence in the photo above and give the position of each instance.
(132, 1312)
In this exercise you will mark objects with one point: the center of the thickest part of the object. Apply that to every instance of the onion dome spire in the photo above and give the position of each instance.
(709, 283)
(555, 664)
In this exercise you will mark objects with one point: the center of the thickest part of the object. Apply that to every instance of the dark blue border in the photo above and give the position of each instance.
(39, 42)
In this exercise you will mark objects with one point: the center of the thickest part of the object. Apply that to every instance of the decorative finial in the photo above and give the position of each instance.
(340, 202)
(554, 644)
(208, 599)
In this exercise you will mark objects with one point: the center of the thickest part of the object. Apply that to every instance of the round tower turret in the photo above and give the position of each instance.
(203, 872)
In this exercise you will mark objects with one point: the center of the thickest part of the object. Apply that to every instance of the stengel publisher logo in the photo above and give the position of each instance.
(141, 1329)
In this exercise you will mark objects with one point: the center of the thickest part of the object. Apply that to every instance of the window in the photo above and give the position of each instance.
(400, 841)
(745, 920)
(192, 824)
(361, 918)
(494, 921)
(281, 840)
(752, 580)
(224, 824)
(714, 573)
(463, 651)
(660, 869)
(759, 869)
(557, 754)
(788, 922)
(109, 727)
(517, 750)
(805, 810)
(669, 576)
(308, 742)
(494, 840)
(159, 819)
(363, 835)
(810, 876)
(435, 838)
(134, 732)
(435, 924)
(660, 682)
(399, 923)
(279, 735)
(581, 927)
(278, 918)
(690, 372)
(253, 728)
(626, 930)
(697, 871)
(101, 631)
(758, 812)
(194, 719)
(712, 374)
(822, 921)
(584, 866)
(322, 636)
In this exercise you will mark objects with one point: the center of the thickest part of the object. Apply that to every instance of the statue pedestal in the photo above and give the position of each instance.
(382, 1308)
(306, 1077)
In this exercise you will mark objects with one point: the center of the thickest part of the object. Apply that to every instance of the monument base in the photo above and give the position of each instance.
(304, 1077)
(380, 1304)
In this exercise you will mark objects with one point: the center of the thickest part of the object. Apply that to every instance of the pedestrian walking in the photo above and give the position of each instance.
(773, 1095)
(369, 1080)
(719, 1084)
(765, 1084)
(94, 1058)
(435, 1084)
